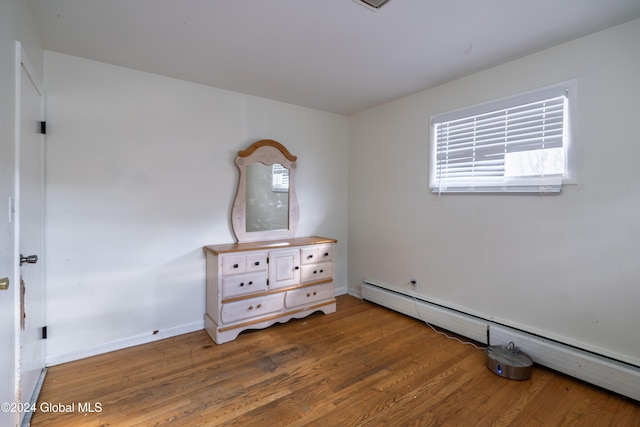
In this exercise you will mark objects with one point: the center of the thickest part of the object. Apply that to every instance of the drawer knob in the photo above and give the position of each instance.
(256, 263)
(308, 295)
(315, 293)
(321, 271)
(242, 284)
(259, 306)
(235, 265)
(250, 307)
(315, 271)
(326, 254)
(309, 256)
(296, 268)
(251, 283)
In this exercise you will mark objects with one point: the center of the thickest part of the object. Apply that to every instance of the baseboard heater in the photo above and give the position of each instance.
(599, 370)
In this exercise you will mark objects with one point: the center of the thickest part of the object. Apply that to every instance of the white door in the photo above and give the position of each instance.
(30, 231)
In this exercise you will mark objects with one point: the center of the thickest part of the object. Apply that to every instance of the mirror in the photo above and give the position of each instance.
(265, 207)
(267, 197)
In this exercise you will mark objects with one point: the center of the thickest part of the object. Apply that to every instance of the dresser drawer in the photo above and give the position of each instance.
(313, 273)
(308, 295)
(244, 284)
(251, 307)
(244, 263)
(316, 254)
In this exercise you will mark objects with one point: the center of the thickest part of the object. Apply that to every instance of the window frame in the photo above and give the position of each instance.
(531, 185)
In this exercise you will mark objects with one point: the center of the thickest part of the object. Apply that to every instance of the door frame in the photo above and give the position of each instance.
(22, 61)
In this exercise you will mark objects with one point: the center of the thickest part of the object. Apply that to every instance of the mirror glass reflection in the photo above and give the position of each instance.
(267, 197)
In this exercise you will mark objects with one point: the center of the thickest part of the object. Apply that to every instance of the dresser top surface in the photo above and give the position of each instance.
(270, 244)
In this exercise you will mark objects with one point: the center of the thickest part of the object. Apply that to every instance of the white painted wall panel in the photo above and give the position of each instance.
(565, 267)
(140, 176)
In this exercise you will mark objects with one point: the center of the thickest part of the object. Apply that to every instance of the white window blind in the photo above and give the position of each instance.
(517, 144)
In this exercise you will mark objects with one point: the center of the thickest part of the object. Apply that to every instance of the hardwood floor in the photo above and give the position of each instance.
(363, 365)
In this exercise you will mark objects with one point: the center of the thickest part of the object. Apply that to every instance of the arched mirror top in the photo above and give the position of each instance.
(267, 143)
(266, 206)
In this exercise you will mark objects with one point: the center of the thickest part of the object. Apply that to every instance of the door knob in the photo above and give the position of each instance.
(31, 259)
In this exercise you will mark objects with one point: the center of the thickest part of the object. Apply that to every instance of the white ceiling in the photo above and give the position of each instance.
(331, 55)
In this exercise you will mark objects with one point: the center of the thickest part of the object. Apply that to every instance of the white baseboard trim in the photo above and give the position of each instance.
(354, 294)
(59, 358)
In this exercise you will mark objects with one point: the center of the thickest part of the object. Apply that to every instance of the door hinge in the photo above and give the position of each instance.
(43, 128)
(44, 332)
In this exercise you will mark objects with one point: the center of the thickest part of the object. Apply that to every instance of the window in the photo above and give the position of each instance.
(519, 144)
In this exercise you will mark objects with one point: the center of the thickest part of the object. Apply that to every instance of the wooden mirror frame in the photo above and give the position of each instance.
(268, 152)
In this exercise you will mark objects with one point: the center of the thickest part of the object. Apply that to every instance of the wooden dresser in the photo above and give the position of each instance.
(254, 285)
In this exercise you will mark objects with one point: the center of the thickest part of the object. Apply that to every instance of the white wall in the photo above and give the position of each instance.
(140, 176)
(15, 24)
(564, 266)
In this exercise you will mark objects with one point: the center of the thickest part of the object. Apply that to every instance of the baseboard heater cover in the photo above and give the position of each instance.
(592, 368)
(601, 371)
(463, 324)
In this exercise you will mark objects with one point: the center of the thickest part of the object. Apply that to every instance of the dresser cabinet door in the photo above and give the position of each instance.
(284, 268)
(251, 307)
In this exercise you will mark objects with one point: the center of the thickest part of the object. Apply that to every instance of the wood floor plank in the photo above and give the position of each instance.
(361, 366)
